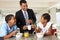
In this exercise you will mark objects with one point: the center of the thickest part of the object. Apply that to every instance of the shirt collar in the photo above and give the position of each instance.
(24, 11)
(8, 26)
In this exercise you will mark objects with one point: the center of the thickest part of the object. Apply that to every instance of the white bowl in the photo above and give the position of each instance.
(19, 35)
(39, 35)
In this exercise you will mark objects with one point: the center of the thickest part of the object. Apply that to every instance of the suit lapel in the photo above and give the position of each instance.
(22, 15)
(28, 13)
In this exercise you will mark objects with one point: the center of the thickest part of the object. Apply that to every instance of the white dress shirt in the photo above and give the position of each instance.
(25, 13)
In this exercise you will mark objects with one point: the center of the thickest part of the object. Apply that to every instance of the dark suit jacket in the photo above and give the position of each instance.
(21, 20)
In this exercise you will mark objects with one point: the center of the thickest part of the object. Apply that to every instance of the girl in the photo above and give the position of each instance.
(45, 25)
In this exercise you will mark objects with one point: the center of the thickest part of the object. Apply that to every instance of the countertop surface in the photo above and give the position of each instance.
(33, 37)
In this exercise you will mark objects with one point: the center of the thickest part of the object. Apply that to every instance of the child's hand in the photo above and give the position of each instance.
(5, 39)
(39, 30)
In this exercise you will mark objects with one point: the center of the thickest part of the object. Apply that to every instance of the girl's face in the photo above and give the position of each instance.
(43, 20)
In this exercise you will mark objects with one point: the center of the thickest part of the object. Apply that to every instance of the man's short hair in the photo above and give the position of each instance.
(22, 1)
(8, 17)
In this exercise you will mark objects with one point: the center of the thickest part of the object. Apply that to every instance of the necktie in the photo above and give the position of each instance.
(26, 17)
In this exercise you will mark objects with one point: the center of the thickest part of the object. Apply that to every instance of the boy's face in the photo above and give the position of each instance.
(12, 21)
(43, 20)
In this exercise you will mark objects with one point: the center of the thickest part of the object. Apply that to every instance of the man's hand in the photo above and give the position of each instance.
(25, 27)
(29, 21)
(33, 26)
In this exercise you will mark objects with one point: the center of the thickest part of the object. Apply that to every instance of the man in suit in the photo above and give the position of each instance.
(25, 17)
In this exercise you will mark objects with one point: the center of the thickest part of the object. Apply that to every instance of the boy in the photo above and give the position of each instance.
(9, 29)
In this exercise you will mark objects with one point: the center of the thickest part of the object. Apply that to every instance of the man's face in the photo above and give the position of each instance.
(12, 21)
(24, 6)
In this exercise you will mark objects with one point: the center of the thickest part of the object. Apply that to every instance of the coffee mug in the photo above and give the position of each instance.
(29, 27)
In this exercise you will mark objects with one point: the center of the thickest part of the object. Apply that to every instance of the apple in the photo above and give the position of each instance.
(26, 34)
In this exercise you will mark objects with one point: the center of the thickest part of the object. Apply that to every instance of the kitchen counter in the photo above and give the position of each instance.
(33, 37)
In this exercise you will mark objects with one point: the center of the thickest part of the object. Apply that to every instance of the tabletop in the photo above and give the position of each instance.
(33, 37)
